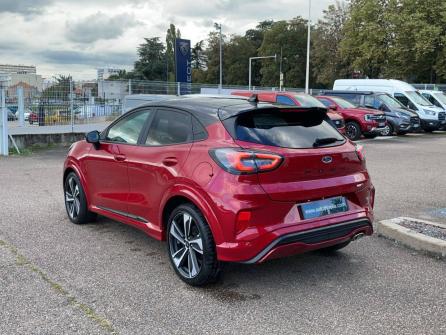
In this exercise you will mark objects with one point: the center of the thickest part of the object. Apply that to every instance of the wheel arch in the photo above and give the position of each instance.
(71, 167)
(179, 197)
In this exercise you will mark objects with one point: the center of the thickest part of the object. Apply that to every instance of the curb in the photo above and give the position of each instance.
(412, 239)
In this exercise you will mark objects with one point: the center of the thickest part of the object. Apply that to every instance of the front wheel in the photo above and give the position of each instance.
(353, 131)
(191, 247)
(388, 130)
(76, 201)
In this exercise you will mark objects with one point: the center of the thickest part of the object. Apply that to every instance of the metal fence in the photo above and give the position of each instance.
(70, 103)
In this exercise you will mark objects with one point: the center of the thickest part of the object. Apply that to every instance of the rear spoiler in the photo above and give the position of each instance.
(225, 114)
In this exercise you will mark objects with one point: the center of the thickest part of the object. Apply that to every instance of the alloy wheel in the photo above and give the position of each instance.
(186, 245)
(72, 198)
(351, 131)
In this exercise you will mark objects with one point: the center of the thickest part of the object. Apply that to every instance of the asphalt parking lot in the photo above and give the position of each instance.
(105, 277)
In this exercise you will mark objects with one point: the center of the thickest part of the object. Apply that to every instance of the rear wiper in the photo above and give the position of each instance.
(323, 141)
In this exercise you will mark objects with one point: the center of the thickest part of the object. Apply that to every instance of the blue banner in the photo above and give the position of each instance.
(183, 65)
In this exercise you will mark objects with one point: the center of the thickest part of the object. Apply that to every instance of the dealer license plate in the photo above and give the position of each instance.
(315, 209)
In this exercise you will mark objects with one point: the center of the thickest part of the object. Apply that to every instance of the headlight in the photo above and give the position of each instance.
(405, 116)
(368, 117)
(428, 112)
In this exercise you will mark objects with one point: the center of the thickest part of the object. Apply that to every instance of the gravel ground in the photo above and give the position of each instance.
(105, 277)
(426, 229)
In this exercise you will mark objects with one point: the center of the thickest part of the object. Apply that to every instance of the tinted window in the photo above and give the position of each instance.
(355, 99)
(198, 130)
(285, 129)
(284, 100)
(306, 100)
(170, 127)
(405, 101)
(327, 103)
(369, 101)
(128, 129)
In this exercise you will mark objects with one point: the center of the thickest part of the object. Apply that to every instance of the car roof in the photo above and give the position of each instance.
(210, 109)
(329, 92)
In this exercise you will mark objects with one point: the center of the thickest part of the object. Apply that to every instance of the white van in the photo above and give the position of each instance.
(438, 98)
(431, 116)
(136, 100)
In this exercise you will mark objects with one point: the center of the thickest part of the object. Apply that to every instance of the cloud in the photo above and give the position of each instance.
(74, 57)
(99, 26)
(24, 7)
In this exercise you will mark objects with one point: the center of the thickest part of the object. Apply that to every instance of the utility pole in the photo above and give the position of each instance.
(220, 86)
(250, 63)
(280, 72)
(307, 77)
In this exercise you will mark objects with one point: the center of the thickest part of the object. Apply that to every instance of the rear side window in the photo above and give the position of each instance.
(355, 99)
(284, 100)
(286, 129)
(170, 127)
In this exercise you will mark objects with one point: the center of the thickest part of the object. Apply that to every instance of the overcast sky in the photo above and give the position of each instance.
(77, 36)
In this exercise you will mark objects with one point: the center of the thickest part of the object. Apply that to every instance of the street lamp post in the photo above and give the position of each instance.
(250, 63)
(307, 76)
(218, 27)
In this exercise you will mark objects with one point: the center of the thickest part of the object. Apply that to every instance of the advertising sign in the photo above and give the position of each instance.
(183, 65)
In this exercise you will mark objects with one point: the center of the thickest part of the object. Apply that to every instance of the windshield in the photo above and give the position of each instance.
(418, 98)
(306, 100)
(440, 96)
(343, 103)
(389, 101)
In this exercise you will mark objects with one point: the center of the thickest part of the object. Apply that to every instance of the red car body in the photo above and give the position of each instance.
(253, 217)
(370, 121)
(293, 99)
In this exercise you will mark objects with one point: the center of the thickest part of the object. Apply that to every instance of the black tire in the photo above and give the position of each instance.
(352, 130)
(334, 248)
(389, 131)
(76, 201)
(207, 267)
(370, 136)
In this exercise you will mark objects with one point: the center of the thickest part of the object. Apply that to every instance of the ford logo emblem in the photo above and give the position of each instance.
(327, 159)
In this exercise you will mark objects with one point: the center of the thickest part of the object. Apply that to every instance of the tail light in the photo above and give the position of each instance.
(360, 153)
(240, 161)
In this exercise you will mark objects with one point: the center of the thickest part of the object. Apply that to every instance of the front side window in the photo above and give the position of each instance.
(128, 129)
(284, 100)
(417, 98)
(170, 127)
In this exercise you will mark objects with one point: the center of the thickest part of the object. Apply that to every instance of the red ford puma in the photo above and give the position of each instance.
(223, 179)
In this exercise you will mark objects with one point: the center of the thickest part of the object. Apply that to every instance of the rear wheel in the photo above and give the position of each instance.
(191, 247)
(353, 130)
(75, 201)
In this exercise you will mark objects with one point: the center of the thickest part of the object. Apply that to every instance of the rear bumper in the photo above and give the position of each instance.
(313, 239)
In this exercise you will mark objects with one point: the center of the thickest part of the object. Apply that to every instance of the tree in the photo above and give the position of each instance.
(291, 36)
(122, 75)
(367, 36)
(236, 61)
(327, 63)
(213, 57)
(151, 64)
(171, 35)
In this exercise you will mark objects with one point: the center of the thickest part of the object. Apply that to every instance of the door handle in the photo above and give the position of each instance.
(170, 161)
(120, 157)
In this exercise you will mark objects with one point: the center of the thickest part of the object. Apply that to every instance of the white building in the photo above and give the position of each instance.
(105, 73)
(20, 69)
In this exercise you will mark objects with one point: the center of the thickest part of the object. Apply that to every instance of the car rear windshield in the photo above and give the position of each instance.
(287, 129)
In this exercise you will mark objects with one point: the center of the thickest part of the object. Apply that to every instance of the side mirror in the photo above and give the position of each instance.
(93, 137)
(333, 107)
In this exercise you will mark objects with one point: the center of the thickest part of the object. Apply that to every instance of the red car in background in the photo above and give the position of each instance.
(294, 99)
(223, 179)
(358, 120)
